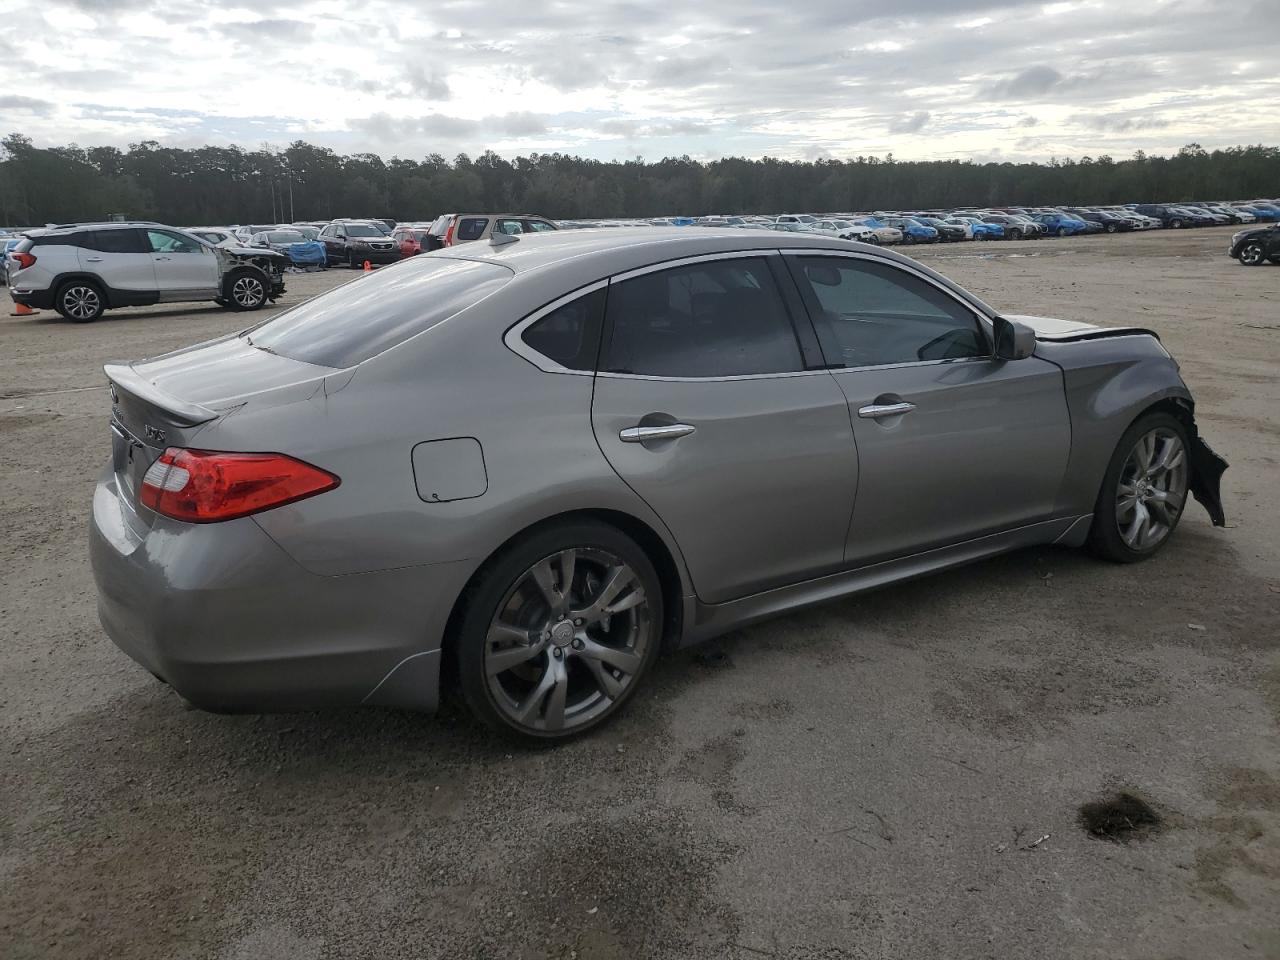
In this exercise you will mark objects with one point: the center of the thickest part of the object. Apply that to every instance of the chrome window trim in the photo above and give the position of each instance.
(760, 252)
(512, 338)
(741, 376)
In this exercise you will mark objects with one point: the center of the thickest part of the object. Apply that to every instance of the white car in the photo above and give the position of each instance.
(884, 234)
(218, 236)
(845, 230)
(82, 269)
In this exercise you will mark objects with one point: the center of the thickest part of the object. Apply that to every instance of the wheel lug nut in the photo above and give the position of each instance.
(577, 643)
(579, 622)
(557, 653)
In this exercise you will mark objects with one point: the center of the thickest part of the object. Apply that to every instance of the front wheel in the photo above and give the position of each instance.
(1143, 492)
(1062, 231)
(1110, 228)
(1176, 224)
(1015, 234)
(1252, 254)
(559, 631)
(244, 290)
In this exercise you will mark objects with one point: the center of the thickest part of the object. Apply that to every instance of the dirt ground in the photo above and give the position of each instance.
(892, 776)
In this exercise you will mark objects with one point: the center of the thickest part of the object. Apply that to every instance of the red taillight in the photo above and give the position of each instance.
(448, 234)
(206, 486)
(24, 259)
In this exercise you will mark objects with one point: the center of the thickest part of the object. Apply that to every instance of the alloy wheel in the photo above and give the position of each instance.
(1152, 489)
(81, 302)
(567, 640)
(247, 292)
(1252, 254)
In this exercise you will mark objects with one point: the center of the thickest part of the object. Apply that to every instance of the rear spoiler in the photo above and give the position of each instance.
(188, 414)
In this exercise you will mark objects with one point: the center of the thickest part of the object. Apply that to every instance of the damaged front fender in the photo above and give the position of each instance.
(1207, 469)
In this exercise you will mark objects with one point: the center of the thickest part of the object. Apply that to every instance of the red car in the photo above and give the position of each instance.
(412, 240)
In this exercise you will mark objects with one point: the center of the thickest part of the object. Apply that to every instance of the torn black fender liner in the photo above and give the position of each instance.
(1207, 469)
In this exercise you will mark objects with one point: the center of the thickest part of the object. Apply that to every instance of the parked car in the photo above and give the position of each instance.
(1014, 227)
(493, 496)
(294, 245)
(1059, 224)
(1252, 247)
(1109, 222)
(884, 234)
(1170, 216)
(946, 231)
(308, 230)
(218, 236)
(82, 269)
(845, 230)
(1262, 210)
(247, 232)
(469, 227)
(354, 242)
(978, 228)
(913, 231)
(413, 239)
(6, 247)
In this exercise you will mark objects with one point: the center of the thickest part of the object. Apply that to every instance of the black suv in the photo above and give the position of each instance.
(354, 241)
(1251, 247)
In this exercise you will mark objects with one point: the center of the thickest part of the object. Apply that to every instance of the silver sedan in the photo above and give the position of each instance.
(524, 467)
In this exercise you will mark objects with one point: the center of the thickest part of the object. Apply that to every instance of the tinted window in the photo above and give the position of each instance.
(118, 241)
(363, 230)
(367, 316)
(470, 228)
(569, 335)
(721, 318)
(538, 226)
(872, 313)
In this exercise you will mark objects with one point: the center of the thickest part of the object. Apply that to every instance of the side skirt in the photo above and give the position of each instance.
(709, 620)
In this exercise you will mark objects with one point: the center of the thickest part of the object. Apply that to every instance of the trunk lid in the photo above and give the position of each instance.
(166, 401)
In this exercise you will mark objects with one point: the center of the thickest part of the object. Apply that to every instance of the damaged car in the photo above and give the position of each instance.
(633, 440)
(83, 269)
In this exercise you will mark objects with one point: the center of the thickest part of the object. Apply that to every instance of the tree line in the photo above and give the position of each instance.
(224, 185)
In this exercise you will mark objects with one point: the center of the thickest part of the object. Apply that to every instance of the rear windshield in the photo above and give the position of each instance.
(374, 313)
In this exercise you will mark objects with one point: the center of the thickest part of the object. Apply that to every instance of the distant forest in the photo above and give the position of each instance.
(223, 185)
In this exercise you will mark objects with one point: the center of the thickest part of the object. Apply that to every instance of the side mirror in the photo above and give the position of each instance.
(1014, 341)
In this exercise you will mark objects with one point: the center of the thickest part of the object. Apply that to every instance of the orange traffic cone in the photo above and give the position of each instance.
(367, 266)
(22, 310)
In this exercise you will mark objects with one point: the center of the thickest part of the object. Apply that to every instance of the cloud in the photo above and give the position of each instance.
(610, 78)
(912, 123)
(11, 101)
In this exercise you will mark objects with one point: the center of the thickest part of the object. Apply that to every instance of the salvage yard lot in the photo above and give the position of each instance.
(866, 779)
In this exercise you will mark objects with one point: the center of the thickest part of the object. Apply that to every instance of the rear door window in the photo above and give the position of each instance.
(118, 241)
(719, 318)
(538, 226)
(471, 228)
(512, 227)
(362, 319)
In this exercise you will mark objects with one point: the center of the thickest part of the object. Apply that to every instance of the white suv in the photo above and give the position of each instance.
(82, 269)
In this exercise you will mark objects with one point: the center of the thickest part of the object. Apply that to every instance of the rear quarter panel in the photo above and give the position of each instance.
(1110, 381)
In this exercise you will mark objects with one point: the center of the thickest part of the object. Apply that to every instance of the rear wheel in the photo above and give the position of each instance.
(1015, 234)
(1110, 228)
(559, 631)
(1144, 490)
(1176, 224)
(1252, 254)
(80, 301)
(1062, 231)
(244, 290)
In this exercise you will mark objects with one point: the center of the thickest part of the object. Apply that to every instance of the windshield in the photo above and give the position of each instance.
(285, 236)
(363, 230)
(363, 318)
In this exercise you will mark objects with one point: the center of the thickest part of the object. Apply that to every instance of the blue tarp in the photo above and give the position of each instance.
(305, 254)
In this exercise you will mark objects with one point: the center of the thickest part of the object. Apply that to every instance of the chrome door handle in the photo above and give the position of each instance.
(669, 431)
(164, 258)
(874, 411)
(92, 259)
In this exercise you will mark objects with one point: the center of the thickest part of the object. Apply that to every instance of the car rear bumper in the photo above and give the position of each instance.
(227, 618)
(36, 299)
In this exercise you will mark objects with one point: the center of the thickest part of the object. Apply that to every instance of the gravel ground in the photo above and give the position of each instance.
(867, 779)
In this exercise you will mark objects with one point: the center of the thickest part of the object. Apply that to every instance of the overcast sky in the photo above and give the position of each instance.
(987, 79)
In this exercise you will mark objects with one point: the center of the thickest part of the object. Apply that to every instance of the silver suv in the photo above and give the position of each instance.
(82, 269)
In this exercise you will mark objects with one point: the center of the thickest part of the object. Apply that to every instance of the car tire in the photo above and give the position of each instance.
(1061, 231)
(1175, 224)
(1252, 254)
(244, 290)
(873, 240)
(80, 301)
(1110, 228)
(511, 641)
(1015, 233)
(1144, 491)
